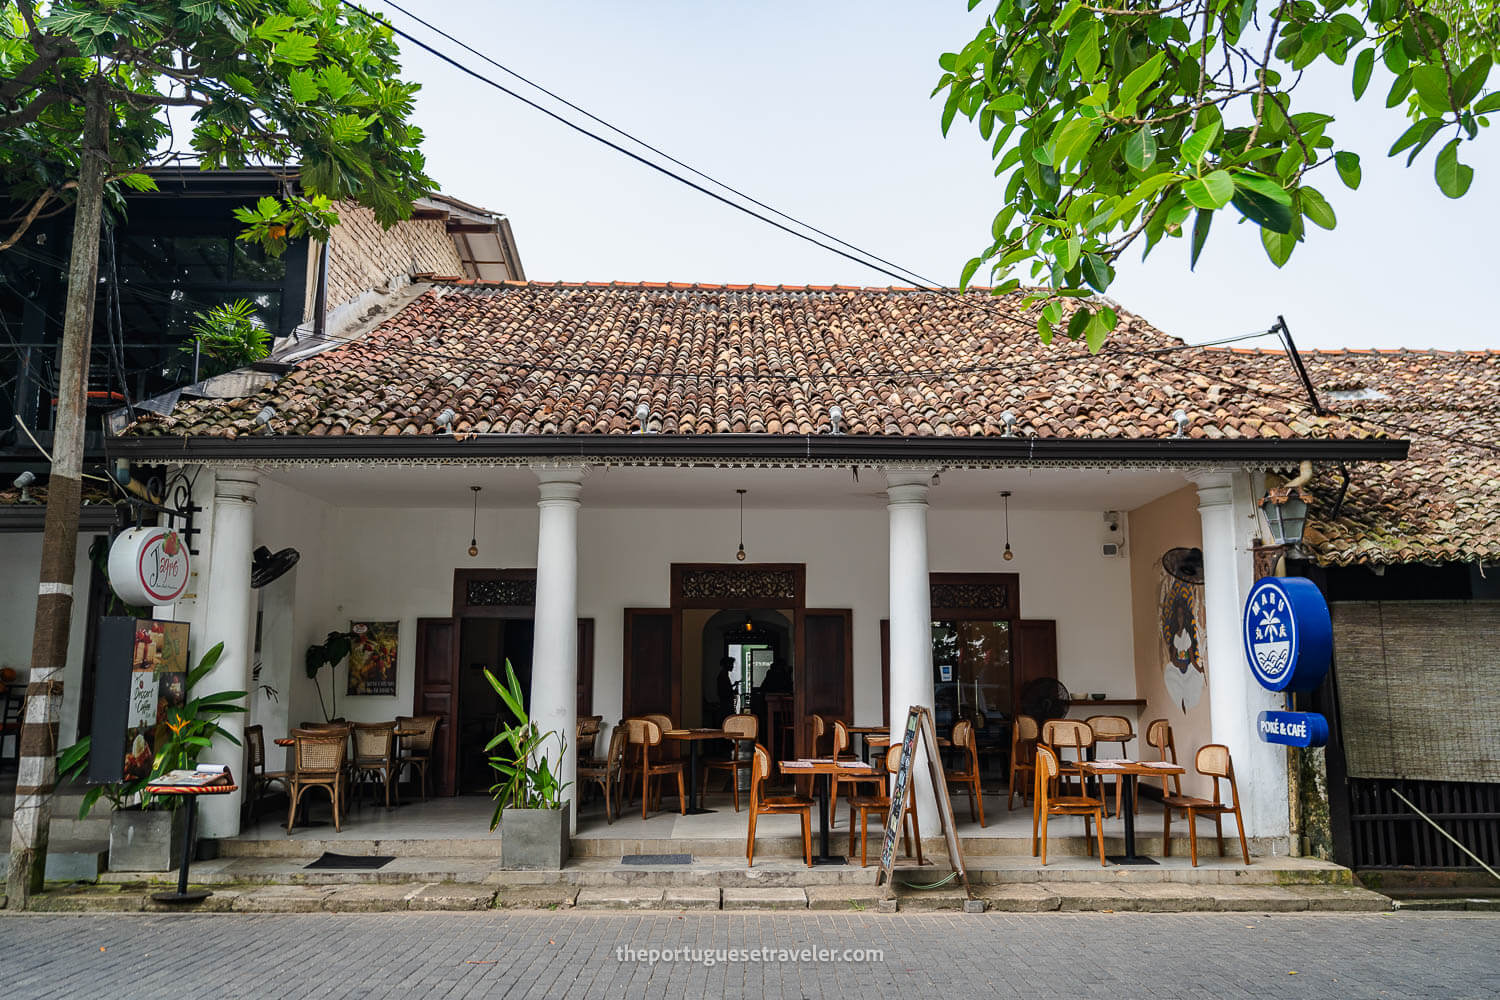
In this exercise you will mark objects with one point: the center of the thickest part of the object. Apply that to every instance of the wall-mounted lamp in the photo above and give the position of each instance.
(1285, 508)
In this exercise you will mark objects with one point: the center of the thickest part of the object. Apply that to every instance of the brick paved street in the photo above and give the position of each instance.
(540, 954)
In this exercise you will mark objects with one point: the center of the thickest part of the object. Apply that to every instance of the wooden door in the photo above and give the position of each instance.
(649, 678)
(1033, 652)
(585, 667)
(825, 678)
(437, 694)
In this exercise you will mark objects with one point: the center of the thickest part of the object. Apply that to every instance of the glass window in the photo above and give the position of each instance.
(972, 677)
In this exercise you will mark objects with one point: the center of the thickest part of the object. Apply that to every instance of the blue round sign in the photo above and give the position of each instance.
(1288, 634)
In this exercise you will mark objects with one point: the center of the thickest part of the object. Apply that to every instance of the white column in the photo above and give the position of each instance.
(911, 622)
(554, 651)
(1235, 699)
(227, 620)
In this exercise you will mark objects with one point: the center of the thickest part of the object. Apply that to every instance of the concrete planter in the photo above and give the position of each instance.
(145, 840)
(534, 839)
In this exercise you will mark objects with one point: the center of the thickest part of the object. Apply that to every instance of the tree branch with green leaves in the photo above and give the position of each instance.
(1121, 126)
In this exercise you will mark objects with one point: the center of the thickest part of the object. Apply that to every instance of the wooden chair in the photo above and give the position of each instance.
(760, 802)
(1070, 734)
(416, 751)
(880, 805)
(318, 762)
(967, 773)
(1046, 802)
(375, 755)
(843, 750)
(588, 735)
(609, 771)
(1112, 729)
(747, 727)
(670, 752)
(780, 731)
(645, 734)
(260, 778)
(1213, 762)
(1159, 736)
(818, 728)
(1023, 736)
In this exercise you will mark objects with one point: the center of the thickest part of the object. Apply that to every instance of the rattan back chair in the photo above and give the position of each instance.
(588, 735)
(645, 736)
(318, 757)
(260, 778)
(375, 755)
(760, 802)
(966, 774)
(1112, 729)
(746, 728)
(1159, 736)
(1069, 734)
(862, 783)
(879, 803)
(416, 750)
(1212, 761)
(1046, 802)
(1024, 734)
(608, 772)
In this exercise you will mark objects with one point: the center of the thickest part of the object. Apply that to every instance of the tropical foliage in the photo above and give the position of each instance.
(227, 337)
(528, 779)
(1119, 123)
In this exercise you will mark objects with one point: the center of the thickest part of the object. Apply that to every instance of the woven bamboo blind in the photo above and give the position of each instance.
(1419, 689)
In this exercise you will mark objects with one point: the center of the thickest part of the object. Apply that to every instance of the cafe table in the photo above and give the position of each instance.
(825, 768)
(864, 733)
(1131, 771)
(692, 737)
(183, 894)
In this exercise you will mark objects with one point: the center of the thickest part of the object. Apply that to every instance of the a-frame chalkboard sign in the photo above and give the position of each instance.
(919, 720)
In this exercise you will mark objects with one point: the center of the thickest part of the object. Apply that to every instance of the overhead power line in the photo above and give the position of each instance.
(904, 278)
(646, 145)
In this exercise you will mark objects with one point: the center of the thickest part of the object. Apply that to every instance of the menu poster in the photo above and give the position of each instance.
(157, 683)
(372, 658)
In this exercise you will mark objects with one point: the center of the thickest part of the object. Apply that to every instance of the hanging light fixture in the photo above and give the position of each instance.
(740, 555)
(474, 527)
(1008, 555)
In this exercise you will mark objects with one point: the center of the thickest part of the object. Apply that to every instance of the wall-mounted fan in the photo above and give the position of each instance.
(1184, 564)
(1045, 698)
(268, 565)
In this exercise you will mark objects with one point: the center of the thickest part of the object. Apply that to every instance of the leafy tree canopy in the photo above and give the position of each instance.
(1123, 122)
(260, 82)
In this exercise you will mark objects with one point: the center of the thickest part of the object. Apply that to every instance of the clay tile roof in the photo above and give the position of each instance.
(1443, 503)
(532, 358)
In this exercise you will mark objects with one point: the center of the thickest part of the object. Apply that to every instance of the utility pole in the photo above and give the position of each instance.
(54, 606)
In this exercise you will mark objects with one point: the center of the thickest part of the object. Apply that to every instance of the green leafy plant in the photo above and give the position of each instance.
(1117, 125)
(528, 780)
(227, 337)
(329, 653)
(191, 729)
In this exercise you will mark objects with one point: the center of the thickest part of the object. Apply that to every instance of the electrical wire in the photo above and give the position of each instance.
(646, 145)
(631, 154)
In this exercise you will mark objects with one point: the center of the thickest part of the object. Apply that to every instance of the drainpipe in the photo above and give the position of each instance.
(320, 298)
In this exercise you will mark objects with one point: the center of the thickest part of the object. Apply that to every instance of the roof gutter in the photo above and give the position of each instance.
(820, 448)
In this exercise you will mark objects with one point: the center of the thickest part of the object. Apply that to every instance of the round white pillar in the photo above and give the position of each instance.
(227, 619)
(1235, 700)
(911, 623)
(554, 657)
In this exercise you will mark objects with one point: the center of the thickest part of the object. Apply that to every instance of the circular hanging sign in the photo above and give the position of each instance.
(148, 566)
(1288, 634)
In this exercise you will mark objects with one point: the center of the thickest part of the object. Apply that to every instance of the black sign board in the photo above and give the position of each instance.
(140, 673)
(919, 719)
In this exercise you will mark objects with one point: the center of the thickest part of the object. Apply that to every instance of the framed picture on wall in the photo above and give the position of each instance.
(372, 658)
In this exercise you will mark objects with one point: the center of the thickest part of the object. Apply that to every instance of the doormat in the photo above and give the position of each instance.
(657, 859)
(366, 861)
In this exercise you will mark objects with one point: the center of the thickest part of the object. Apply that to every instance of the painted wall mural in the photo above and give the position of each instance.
(1181, 632)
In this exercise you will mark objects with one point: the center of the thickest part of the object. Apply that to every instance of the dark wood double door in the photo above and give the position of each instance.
(477, 594)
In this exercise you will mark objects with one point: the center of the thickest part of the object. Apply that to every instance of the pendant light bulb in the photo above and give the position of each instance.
(474, 527)
(740, 555)
(1007, 555)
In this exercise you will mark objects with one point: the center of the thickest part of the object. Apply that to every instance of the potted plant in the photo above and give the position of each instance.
(145, 830)
(329, 653)
(529, 807)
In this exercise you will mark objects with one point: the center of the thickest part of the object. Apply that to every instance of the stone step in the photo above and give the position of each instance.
(69, 860)
(1061, 897)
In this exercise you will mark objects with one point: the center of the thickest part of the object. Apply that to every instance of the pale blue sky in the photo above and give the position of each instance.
(822, 109)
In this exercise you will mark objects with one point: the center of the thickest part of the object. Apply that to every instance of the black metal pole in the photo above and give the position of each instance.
(187, 844)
